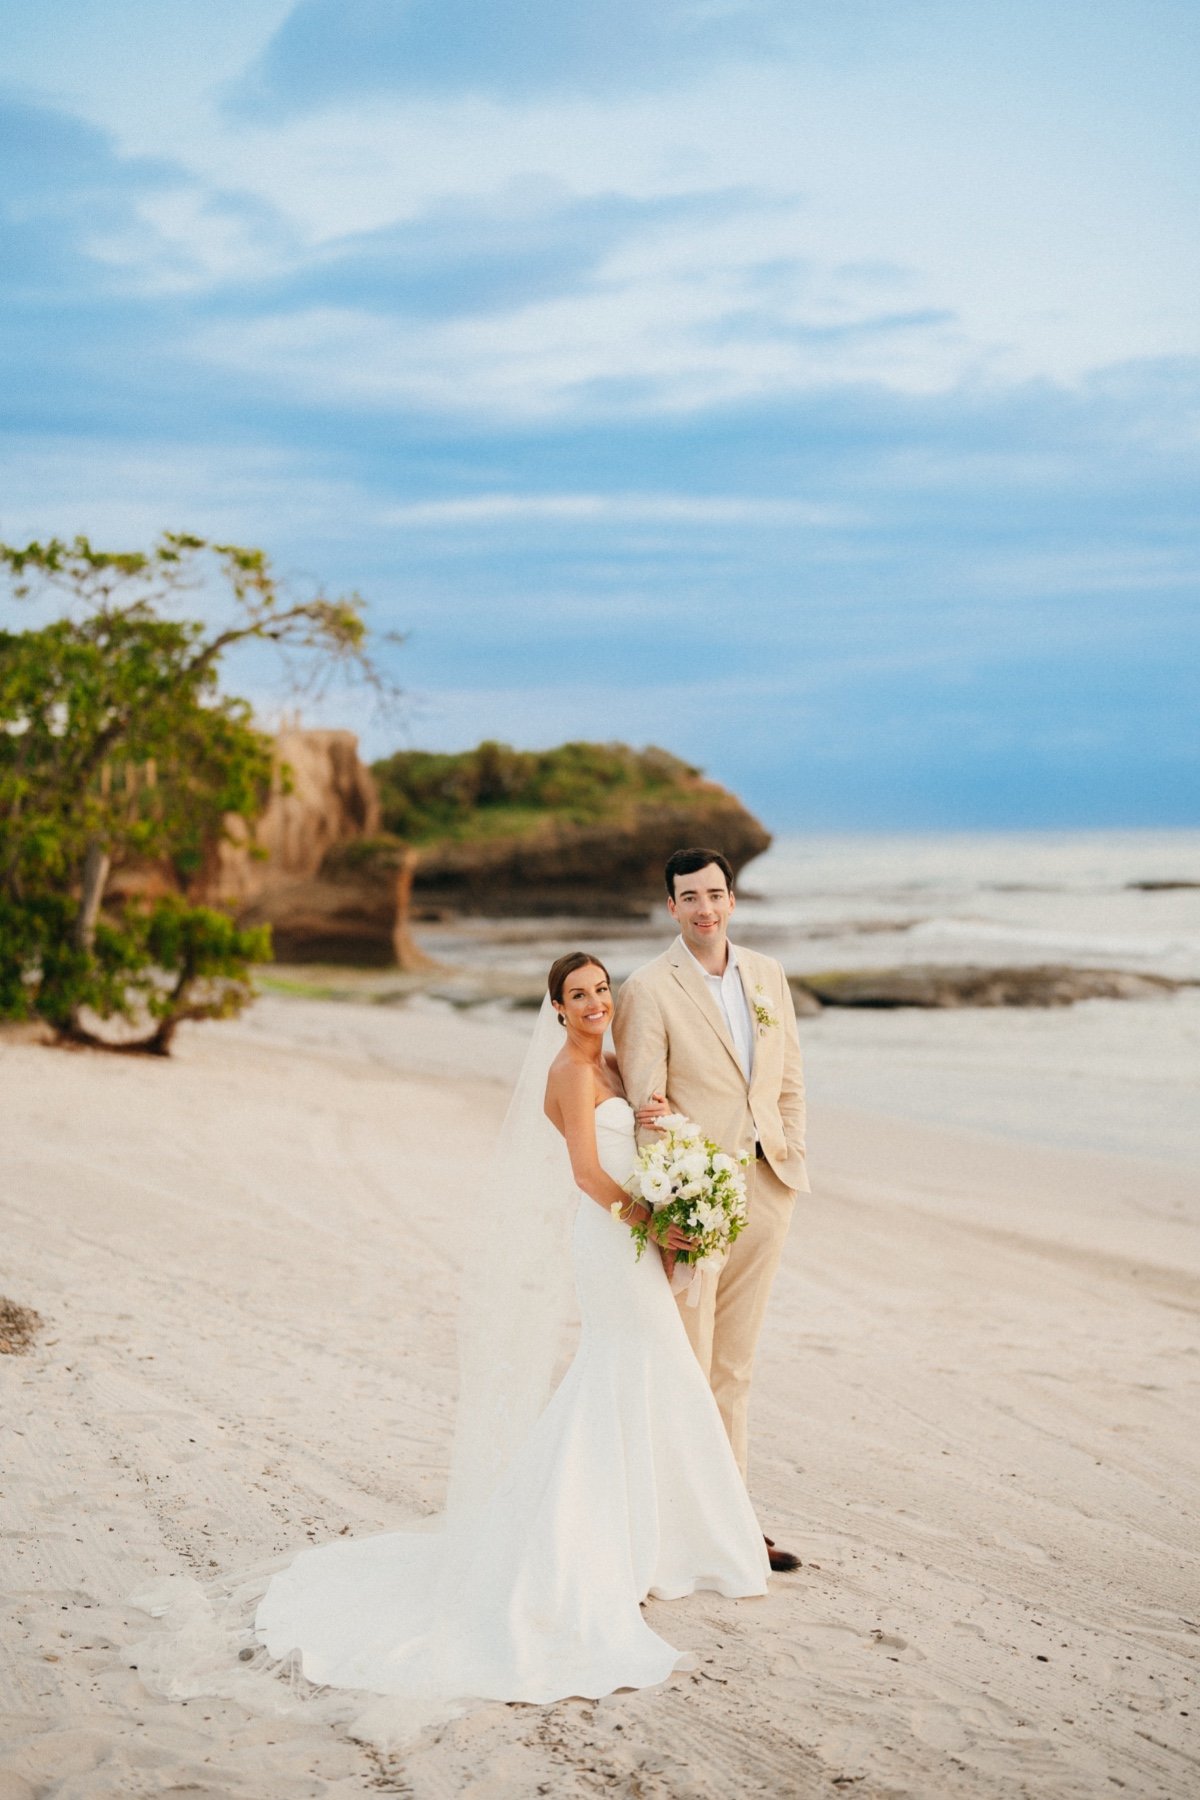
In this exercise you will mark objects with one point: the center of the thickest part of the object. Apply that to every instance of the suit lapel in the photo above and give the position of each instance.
(690, 978)
(751, 981)
(749, 972)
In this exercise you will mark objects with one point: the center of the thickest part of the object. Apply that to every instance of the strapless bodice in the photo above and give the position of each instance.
(620, 1121)
(615, 1143)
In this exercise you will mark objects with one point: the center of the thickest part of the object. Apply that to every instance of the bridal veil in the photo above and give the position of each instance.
(515, 1299)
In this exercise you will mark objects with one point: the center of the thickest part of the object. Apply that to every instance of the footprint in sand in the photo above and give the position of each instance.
(939, 1725)
(1033, 1552)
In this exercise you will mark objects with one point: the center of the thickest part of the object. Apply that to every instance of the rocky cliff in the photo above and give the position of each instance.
(611, 866)
(314, 868)
(354, 909)
(322, 797)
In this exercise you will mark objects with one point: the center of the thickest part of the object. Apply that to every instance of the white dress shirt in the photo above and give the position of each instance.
(730, 996)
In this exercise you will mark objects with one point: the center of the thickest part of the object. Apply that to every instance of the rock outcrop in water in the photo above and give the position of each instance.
(611, 867)
(949, 985)
(581, 828)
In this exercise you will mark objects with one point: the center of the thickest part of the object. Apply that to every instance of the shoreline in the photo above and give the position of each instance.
(970, 1412)
(1114, 1076)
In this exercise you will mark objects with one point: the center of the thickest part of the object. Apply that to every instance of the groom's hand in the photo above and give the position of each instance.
(651, 1112)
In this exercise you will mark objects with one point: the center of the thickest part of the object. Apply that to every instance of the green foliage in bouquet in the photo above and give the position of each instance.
(687, 1180)
(117, 747)
(495, 790)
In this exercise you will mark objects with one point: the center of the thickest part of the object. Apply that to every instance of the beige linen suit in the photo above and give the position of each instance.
(672, 1039)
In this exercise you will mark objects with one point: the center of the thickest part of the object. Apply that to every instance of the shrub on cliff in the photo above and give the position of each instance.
(116, 745)
(494, 789)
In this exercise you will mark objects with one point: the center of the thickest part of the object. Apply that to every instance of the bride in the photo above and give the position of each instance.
(560, 1526)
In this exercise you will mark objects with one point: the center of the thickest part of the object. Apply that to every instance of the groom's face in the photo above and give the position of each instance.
(701, 907)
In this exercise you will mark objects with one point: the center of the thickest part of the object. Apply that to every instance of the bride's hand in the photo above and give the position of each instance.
(670, 1256)
(651, 1112)
(674, 1240)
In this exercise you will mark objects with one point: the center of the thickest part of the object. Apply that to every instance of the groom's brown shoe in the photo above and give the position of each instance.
(782, 1561)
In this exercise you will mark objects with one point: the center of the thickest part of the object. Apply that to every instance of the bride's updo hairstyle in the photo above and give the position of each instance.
(566, 965)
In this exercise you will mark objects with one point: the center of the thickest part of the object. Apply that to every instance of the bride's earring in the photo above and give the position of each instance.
(562, 1018)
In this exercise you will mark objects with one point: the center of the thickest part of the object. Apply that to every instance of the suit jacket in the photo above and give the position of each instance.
(671, 1038)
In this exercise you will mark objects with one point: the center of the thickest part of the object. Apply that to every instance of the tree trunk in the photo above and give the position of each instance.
(160, 1043)
(405, 949)
(95, 878)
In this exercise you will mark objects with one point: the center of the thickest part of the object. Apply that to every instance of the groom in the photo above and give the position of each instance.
(712, 1028)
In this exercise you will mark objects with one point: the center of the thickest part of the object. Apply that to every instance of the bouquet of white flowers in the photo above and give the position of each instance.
(687, 1180)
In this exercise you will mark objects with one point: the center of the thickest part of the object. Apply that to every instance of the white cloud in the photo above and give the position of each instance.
(1057, 248)
(196, 240)
(626, 509)
(1048, 241)
(624, 346)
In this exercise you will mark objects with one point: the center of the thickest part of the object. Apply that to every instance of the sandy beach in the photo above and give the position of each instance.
(975, 1421)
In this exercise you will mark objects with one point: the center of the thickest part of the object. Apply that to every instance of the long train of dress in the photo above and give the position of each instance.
(626, 1487)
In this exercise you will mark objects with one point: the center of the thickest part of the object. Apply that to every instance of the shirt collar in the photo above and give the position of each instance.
(731, 963)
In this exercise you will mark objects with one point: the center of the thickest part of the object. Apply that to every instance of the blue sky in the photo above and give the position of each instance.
(810, 388)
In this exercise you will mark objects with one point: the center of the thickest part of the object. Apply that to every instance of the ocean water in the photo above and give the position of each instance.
(986, 899)
(881, 902)
(1116, 1077)
(1120, 1077)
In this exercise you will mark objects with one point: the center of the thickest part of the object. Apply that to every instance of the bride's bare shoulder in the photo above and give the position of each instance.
(567, 1080)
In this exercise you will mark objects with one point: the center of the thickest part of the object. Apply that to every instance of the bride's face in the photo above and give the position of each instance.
(587, 1002)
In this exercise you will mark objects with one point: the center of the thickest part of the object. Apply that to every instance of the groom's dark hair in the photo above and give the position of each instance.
(687, 862)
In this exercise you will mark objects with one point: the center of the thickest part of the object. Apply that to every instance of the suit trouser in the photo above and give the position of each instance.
(724, 1327)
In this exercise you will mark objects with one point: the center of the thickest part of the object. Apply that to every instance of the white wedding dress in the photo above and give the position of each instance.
(626, 1487)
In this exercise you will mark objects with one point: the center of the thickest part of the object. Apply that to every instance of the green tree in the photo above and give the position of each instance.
(116, 744)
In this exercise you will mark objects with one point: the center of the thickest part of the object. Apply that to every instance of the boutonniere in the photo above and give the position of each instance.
(762, 1012)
